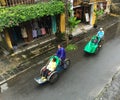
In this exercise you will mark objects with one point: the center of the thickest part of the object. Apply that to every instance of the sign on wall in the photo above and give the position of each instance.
(87, 17)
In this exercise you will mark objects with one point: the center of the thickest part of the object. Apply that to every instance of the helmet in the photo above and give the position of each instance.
(101, 29)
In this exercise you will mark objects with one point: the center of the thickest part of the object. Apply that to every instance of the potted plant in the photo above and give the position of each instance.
(73, 22)
(97, 14)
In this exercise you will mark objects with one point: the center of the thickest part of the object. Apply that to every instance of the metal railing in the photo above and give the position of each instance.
(18, 2)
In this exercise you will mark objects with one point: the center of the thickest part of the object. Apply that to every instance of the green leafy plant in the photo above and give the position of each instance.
(12, 16)
(71, 47)
(98, 13)
(73, 22)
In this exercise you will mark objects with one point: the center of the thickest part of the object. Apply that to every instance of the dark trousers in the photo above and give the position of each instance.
(62, 62)
(45, 73)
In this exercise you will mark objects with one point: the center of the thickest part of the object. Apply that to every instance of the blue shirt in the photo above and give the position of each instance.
(100, 34)
(61, 53)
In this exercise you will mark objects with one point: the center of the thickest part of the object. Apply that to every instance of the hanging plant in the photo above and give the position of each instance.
(12, 16)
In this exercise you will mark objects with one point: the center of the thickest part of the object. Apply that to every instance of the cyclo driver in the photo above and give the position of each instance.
(61, 53)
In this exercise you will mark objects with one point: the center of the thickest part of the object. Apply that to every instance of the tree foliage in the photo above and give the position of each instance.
(98, 13)
(12, 16)
(73, 21)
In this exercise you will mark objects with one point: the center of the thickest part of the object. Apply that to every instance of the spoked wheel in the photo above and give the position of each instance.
(66, 63)
(53, 78)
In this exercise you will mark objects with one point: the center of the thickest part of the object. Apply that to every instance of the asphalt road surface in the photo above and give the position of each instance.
(85, 78)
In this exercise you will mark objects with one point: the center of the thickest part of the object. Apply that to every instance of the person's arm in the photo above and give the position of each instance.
(62, 53)
(98, 33)
(57, 53)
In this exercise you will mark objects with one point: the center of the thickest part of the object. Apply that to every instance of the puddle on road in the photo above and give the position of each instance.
(4, 87)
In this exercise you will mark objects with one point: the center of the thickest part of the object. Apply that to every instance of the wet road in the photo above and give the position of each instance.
(82, 81)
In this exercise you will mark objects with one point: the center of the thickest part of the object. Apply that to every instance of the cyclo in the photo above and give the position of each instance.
(52, 76)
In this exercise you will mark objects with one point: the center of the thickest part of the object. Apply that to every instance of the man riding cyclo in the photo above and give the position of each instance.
(100, 33)
(99, 36)
(61, 53)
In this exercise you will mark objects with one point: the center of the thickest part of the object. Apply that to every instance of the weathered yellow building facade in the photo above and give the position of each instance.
(84, 9)
(96, 3)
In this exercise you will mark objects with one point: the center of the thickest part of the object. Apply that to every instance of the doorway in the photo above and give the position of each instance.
(83, 13)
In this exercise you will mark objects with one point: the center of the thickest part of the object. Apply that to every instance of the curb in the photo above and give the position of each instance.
(108, 85)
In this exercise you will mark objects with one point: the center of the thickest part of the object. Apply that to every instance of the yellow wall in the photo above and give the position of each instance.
(8, 41)
(3, 3)
(62, 23)
(95, 7)
(93, 15)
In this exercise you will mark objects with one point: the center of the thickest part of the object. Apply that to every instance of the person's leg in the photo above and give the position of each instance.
(44, 76)
(46, 73)
(61, 62)
(101, 42)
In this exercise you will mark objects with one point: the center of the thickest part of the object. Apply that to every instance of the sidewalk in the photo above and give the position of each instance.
(20, 59)
(12, 67)
(81, 28)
